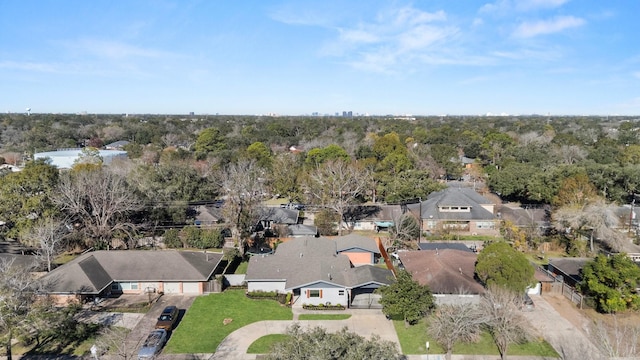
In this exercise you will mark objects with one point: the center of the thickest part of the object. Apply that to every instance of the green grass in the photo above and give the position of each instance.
(242, 268)
(413, 341)
(202, 329)
(263, 345)
(324, 316)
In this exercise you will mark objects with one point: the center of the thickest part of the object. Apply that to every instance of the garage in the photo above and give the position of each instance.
(191, 287)
(364, 298)
(172, 288)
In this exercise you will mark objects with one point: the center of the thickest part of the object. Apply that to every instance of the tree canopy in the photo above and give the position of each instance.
(501, 265)
(406, 298)
(612, 282)
(318, 344)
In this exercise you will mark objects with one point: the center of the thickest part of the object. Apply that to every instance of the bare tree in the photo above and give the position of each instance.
(98, 202)
(453, 323)
(243, 187)
(500, 312)
(47, 235)
(616, 340)
(404, 231)
(113, 340)
(336, 185)
(570, 154)
(595, 220)
(17, 297)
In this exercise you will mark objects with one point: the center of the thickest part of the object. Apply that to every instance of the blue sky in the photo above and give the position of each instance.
(562, 57)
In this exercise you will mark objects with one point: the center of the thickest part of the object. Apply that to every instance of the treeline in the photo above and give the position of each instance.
(175, 160)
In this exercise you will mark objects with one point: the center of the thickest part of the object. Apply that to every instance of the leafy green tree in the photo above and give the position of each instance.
(260, 153)
(318, 344)
(209, 141)
(406, 298)
(318, 156)
(501, 265)
(285, 183)
(575, 191)
(612, 282)
(172, 239)
(407, 185)
(26, 197)
(327, 222)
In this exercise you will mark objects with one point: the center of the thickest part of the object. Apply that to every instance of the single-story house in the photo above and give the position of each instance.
(372, 217)
(449, 273)
(459, 210)
(315, 273)
(528, 217)
(568, 270)
(102, 273)
(301, 230)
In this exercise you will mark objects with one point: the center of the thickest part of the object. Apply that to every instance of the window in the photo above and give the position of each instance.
(341, 292)
(128, 285)
(314, 293)
(485, 225)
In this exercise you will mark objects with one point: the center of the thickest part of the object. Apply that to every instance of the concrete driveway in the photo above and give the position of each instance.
(147, 323)
(363, 322)
(568, 340)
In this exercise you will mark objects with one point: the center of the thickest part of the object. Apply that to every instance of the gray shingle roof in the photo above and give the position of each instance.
(367, 274)
(355, 241)
(92, 272)
(444, 245)
(309, 260)
(454, 196)
(278, 215)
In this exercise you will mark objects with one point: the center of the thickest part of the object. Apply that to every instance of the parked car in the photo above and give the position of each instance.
(153, 344)
(167, 320)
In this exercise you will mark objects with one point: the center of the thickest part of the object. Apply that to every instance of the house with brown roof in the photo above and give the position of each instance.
(449, 273)
(315, 272)
(103, 273)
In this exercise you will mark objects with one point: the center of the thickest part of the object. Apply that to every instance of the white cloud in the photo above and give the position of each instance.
(530, 29)
(115, 49)
(503, 7)
(392, 37)
(358, 36)
(29, 66)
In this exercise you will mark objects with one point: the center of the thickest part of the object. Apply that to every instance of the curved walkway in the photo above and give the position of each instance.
(363, 322)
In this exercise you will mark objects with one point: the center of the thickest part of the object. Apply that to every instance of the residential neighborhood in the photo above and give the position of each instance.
(223, 249)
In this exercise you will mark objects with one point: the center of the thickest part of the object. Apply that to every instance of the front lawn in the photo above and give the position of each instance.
(263, 345)
(413, 341)
(202, 329)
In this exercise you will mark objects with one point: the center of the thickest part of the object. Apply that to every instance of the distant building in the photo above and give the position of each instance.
(65, 159)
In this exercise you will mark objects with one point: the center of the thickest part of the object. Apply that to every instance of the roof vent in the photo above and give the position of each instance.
(329, 276)
(460, 269)
(300, 254)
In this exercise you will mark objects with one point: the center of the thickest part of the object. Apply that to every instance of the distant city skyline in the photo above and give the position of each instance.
(376, 57)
